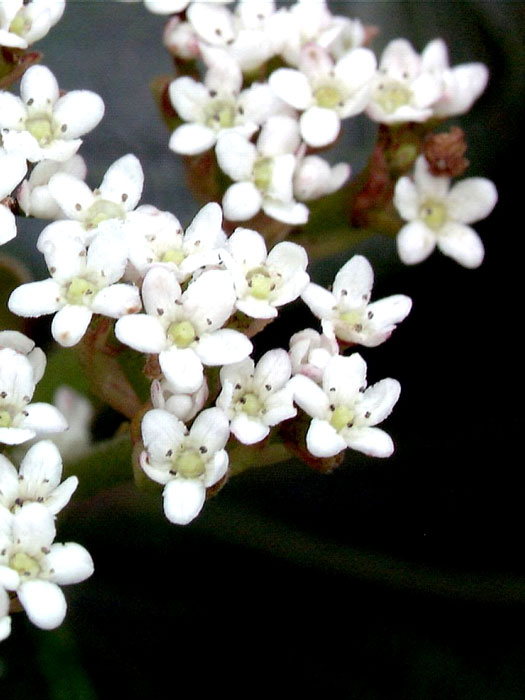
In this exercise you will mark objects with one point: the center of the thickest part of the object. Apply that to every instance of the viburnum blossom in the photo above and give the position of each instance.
(13, 167)
(314, 177)
(21, 420)
(310, 351)
(263, 173)
(404, 89)
(345, 312)
(344, 411)
(37, 479)
(185, 462)
(83, 281)
(256, 397)
(42, 125)
(264, 281)
(439, 214)
(185, 329)
(24, 23)
(35, 567)
(326, 91)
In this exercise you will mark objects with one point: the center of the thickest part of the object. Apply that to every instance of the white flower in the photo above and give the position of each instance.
(13, 167)
(83, 282)
(21, 420)
(187, 463)
(439, 215)
(108, 209)
(185, 329)
(460, 86)
(265, 281)
(344, 411)
(404, 90)
(310, 351)
(33, 194)
(24, 345)
(314, 178)
(42, 125)
(263, 173)
(305, 22)
(326, 92)
(161, 241)
(183, 406)
(34, 567)
(257, 397)
(37, 480)
(346, 312)
(180, 39)
(23, 23)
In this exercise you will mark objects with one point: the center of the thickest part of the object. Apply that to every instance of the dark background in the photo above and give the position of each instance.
(401, 578)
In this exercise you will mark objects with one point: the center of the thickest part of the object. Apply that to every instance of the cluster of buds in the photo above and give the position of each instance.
(127, 278)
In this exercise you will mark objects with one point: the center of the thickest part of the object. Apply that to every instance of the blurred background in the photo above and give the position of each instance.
(401, 578)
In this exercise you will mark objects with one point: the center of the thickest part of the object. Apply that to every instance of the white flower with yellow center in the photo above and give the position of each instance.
(13, 167)
(403, 90)
(257, 397)
(326, 92)
(265, 281)
(42, 125)
(185, 329)
(344, 411)
(37, 480)
(346, 313)
(185, 462)
(34, 567)
(21, 420)
(439, 214)
(23, 23)
(24, 345)
(84, 281)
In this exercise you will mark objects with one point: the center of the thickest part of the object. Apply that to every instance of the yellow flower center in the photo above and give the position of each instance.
(19, 25)
(182, 333)
(262, 173)
(352, 318)
(392, 96)
(5, 419)
(24, 565)
(220, 114)
(250, 404)
(78, 289)
(41, 128)
(189, 464)
(327, 96)
(433, 214)
(342, 417)
(101, 210)
(260, 283)
(174, 256)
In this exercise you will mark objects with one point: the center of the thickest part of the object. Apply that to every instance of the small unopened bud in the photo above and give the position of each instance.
(445, 152)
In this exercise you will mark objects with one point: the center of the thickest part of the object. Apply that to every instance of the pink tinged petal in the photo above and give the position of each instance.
(462, 244)
(292, 87)
(322, 440)
(7, 225)
(319, 126)
(43, 418)
(466, 84)
(248, 430)
(273, 370)
(247, 247)
(70, 562)
(13, 112)
(141, 332)
(320, 301)
(183, 500)
(70, 323)
(161, 432)
(223, 347)
(72, 195)
(33, 528)
(309, 396)
(117, 300)
(216, 468)
(13, 167)
(415, 242)
(256, 308)
(236, 155)
(61, 496)
(78, 112)
(42, 465)
(182, 368)
(192, 139)
(189, 98)
(373, 442)
(400, 60)
(35, 299)
(123, 182)
(471, 200)
(39, 87)
(241, 201)
(343, 377)
(406, 199)
(379, 400)
(210, 430)
(8, 482)
(43, 602)
(353, 283)
(9, 579)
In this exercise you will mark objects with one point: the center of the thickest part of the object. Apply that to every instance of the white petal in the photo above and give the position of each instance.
(117, 300)
(209, 300)
(320, 301)
(343, 377)
(211, 430)
(7, 225)
(141, 332)
(292, 86)
(191, 139)
(415, 242)
(471, 200)
(70, 323)
(241, 201)
(13, 167)
(42, 464)
(61, 496)
(8, 483)
(247, 247)
(183, 500)
(189, 98)
(71, 563)
(33, 528)
(123, 182)
(43, 602)
(354, 281)
(273, 369)
(161, 432)
(406, 199)
(248, 430)
(216, 468)
(379, 400)
(462, 244)
(206, 227)
(35, 298)
(182, 368)
(72, 195)
(371, 441)
(236, 155)
(319, 126)
(309, 396)
(223, 347)
(39, 86)
(78, 112)
(322, 440)
(9, 578)
(43, 418)
(12, 111)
